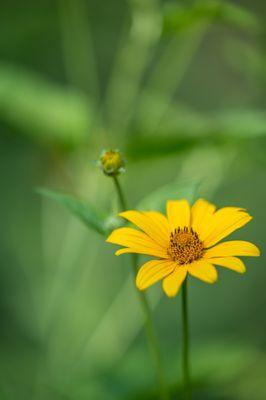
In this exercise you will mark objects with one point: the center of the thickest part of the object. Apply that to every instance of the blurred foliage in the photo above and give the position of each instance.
(45, 111)
(177, 86)
(157, 199)
(177, 18)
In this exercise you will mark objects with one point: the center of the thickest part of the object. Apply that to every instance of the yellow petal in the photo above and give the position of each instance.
(201, 215)
(143, 250)
(126, 250)
(203, 270)
(138, 241)
(178, 213)
(152, 272)
(173, 282)
(232, 248)
(233, 263)
(225, 221)
(152, 224)
(161, 221)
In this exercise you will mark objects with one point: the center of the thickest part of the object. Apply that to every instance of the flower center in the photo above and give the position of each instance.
(185, 246)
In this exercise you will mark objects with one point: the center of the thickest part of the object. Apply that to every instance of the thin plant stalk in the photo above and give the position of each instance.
(78, 52)
(185, 351)
(149, 326)
(120, 194)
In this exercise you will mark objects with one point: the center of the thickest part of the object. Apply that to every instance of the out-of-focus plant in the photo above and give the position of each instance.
(42, 110)
(136, 107)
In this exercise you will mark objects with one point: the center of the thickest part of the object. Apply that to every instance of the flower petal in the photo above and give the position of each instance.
(151, 224)
(173, 282)
(232, 248)
(201, 215)
(144, 250)
(225, 221)
(152, 272)
(203, 270)
(138, 241)
(125, 250)
(178, 212)
(160, 220)
(233, 263)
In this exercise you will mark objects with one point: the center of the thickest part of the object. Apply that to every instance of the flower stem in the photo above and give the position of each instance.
(185, 355)
(121, 197)
(149, 326)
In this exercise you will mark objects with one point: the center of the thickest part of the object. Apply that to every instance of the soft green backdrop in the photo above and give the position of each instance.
(179, 87)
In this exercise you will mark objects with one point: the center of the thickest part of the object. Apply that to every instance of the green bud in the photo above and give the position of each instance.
(112, 162)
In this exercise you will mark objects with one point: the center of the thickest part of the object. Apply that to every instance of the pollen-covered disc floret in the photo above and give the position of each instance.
(185, 246)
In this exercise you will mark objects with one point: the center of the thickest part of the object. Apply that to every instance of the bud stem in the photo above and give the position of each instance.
(121, 197)
(149, 326)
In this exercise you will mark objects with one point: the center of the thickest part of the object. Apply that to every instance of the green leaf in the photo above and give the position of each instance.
(240, 124)
(183, 129)
(81, 209)
(173, 191)
(238, 16)
(177, 18)
(45, 111)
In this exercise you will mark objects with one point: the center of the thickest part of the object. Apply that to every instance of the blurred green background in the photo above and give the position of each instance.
(179, 87)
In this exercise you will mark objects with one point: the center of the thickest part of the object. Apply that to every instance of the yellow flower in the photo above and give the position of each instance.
(184, 242)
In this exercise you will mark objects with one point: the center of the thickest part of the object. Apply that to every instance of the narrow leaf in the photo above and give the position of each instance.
(177, 18)
(81, 209)
(43, 110)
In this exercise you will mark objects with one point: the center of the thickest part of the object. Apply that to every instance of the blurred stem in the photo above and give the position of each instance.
(78, 52)
(149, 326)
(131, 60)
(185, 355)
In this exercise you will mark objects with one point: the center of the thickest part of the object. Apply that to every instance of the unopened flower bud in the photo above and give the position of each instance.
(112, 162)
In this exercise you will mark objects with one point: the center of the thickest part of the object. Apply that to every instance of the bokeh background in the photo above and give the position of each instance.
(179, 87)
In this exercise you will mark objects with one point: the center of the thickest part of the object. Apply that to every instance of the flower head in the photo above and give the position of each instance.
(184, 242)
(112, 162)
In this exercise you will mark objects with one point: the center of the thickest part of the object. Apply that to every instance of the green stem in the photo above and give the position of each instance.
(185, 355)
(121, 197)
(149, 326)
